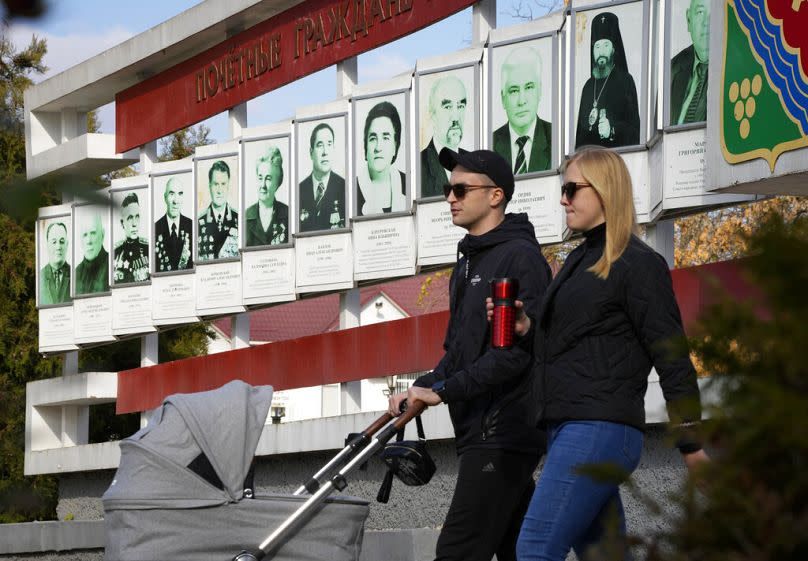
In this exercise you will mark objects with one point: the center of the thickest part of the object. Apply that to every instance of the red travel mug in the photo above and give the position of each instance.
(503, 293)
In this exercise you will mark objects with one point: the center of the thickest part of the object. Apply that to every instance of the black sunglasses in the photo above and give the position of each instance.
(460, 189)
(569, 188)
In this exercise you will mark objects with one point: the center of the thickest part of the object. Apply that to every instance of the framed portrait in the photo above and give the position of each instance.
(609, 60)
(217, 207)
(447, 115)
(173, 233)
(381, 154)
(322, 158)
(267, 175)
(687, 56)
(54, 259)
(91, 247)
(523, 100)
(131, 218)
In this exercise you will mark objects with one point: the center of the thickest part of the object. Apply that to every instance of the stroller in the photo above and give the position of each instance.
(183, 489)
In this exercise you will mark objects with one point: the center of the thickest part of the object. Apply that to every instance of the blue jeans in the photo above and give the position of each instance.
(568, 509)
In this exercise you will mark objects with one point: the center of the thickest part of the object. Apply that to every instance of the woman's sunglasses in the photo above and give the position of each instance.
(460, 189)
(569, 188)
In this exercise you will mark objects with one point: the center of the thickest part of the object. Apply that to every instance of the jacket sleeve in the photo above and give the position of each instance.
(654, 314)
(439, 372)
(496, 367)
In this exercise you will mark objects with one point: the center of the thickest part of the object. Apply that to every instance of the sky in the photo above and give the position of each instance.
(79, 29)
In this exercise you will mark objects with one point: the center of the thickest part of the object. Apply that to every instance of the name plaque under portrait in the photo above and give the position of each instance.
(324, 262)
(268, 276)
(218, 288)
(93, 319)
(173, 300)
(56, 329)
(539, 198)
(384, 248)
(131, 310)
(437, 235)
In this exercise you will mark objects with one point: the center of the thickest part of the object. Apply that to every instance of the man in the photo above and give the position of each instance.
(491, 393)
(322, 193)
(447, 111)
(609, 113)
(173, 246)
(381, 188)
(92, 274)
(689, 68)
(54, 278)
(268, 219)
(218, 223)
(131, 256)
(525, 139)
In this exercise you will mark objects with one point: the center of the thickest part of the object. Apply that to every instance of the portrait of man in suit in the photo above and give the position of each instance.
(218, 223)
(322, 192)
(130, 259)
(267, 221)
(689, 67)
(173, 242)
(54, 277)
(609, 113)
(525, 140)
(381, 186)
(447, 113)
(92, 273)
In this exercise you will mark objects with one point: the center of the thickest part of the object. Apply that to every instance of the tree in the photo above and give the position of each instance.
(181, 144)
(33, 497)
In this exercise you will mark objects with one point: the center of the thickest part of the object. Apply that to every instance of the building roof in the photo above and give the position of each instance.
(320, 314)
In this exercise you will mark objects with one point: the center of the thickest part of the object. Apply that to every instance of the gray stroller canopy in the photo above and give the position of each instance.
(217, 429)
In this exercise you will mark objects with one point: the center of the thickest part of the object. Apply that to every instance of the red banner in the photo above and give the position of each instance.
(309, 37)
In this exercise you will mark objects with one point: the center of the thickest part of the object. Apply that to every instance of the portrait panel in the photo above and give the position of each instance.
(173, 211)
(266, 196)
(448, 115)
(522, 97)
(54, 260)
(91, 247)
(131, 218)
(608, 62)
(322, 156)
(217, 208)
(381, 150)
(689, 56)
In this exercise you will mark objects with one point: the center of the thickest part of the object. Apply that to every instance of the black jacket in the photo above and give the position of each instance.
(491, 393)
(597, 340)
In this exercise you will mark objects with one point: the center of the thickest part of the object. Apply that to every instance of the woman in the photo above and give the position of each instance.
(382, 188)
(604, 322)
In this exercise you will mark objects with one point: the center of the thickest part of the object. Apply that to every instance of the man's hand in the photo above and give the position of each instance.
(521, 325)
(394, 403)
(695, 461)
(426, 395)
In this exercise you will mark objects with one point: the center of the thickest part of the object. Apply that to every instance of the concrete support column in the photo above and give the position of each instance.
(347, 76)
(70, 124)
(349, 316)
(240, 328)
(148, 156)
(75, 425)
(149, 356)
(660, 236)
(237, 119)
(483, 20)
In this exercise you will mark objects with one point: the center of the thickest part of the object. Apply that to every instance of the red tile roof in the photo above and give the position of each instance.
(320, 314)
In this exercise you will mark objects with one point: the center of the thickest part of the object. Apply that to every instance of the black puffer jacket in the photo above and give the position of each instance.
(597, 340)
(491, 393)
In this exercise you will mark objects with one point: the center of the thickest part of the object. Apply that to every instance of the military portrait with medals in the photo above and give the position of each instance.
(217, 224)
(130, 255)
(173, 233)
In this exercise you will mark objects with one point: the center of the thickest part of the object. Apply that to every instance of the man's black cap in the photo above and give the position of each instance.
(481, 161)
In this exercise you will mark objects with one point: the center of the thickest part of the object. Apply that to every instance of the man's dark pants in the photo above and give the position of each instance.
(491, 497)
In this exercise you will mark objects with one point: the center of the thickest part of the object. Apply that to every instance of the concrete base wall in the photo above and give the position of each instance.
(406, 527)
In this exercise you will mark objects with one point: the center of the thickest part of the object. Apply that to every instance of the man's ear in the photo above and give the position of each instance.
(497, 197)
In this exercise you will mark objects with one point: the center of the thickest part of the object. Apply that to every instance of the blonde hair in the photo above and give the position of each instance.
(606, 171)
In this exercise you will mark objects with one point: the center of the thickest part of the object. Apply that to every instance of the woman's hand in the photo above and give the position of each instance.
(522, 324)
